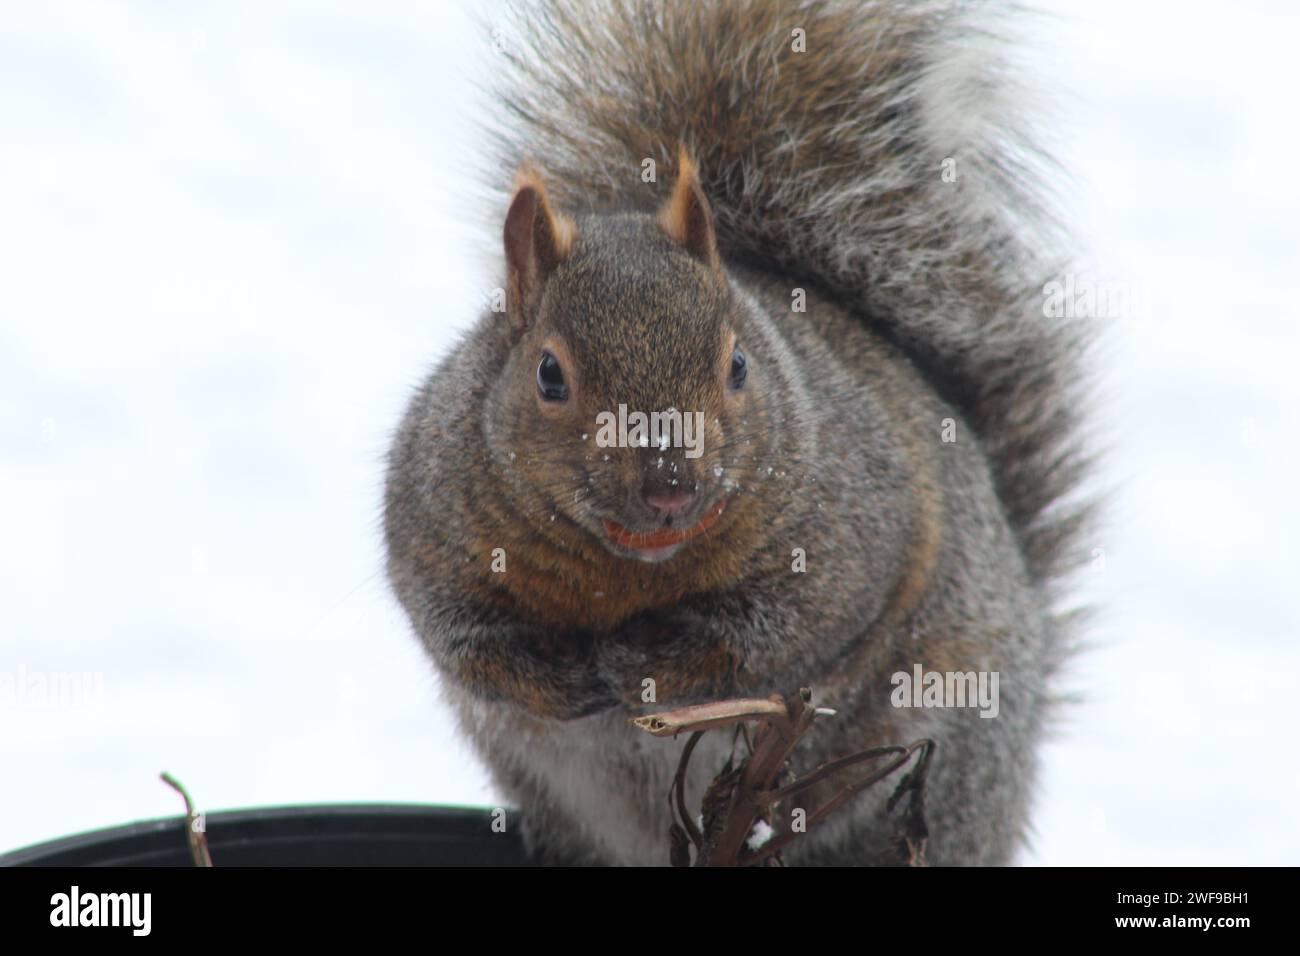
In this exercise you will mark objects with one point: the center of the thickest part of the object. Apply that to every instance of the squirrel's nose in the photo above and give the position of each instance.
(668, 502)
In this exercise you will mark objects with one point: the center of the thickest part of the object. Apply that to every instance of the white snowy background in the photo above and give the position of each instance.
(233, 237)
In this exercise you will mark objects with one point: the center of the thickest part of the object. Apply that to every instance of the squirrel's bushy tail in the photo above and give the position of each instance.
(881, 163)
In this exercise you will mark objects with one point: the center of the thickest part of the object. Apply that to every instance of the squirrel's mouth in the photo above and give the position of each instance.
(662, 543)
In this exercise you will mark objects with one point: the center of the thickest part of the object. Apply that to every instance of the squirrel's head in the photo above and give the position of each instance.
(631, 406)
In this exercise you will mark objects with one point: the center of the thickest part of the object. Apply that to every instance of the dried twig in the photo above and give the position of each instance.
(679, 789)
(914, 831)
(701, 717)
(194, 828)
(740, 797)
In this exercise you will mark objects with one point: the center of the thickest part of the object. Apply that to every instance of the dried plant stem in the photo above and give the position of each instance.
(198, 839)
(738, 798)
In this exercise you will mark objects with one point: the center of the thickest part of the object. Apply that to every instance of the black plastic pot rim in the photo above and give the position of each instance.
(324, 835)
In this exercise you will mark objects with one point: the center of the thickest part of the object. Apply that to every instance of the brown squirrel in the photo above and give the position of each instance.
(840, 282)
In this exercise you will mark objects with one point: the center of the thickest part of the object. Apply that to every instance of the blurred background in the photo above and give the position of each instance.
(234, 236)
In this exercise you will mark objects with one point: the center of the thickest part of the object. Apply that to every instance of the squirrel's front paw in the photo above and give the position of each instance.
(650, 668)
(534, 685)
(565, 698)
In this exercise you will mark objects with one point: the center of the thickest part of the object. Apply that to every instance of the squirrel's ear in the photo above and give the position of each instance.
(686, 216)
(537, 240)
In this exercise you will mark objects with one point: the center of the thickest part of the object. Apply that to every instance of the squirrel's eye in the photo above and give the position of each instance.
(550, 379)
(738, 369)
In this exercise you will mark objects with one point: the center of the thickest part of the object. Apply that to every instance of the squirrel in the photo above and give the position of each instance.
(818, 232)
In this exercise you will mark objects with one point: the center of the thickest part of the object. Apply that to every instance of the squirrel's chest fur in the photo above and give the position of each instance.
(597, 790)
(595, 783)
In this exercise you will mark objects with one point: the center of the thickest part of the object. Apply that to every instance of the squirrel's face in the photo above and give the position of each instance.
(629, 389)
